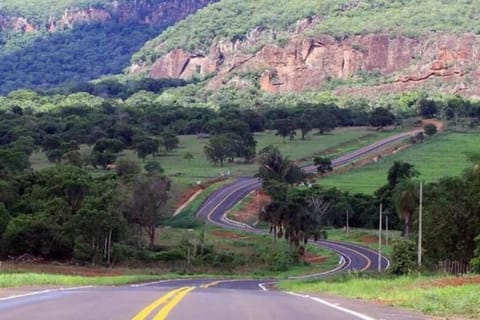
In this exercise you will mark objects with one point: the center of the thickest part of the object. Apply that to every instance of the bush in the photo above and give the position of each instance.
(430, 129)
(404, 257)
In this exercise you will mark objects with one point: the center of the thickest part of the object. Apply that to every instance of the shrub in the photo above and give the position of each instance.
(430, 129)
(403, 257)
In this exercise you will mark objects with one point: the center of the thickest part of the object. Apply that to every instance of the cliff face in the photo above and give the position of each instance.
(160, 12)
(450, 63)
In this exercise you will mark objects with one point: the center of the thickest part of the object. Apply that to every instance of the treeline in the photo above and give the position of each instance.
(87, 52)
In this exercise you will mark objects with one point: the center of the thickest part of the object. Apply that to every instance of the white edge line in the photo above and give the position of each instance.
(333, 306)
(154, 282)
(262, 286)
(43, 292)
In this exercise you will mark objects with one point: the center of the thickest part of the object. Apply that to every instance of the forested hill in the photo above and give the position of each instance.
(296, 45)
(44, 43)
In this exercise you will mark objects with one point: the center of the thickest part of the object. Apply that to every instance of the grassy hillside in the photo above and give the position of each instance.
(231, 19)
(441, 156)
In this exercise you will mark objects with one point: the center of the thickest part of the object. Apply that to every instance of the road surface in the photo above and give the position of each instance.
(190, 299)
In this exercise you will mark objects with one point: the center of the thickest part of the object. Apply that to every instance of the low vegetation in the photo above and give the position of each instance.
(433, 295)
(440, 156)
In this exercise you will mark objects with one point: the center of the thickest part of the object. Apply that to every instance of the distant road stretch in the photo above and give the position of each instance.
(354, 257)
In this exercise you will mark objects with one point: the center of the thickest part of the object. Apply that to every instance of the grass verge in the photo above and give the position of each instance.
(436, 295)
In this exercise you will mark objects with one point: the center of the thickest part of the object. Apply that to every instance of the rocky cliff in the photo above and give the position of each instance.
(159, 12)
(448, 62)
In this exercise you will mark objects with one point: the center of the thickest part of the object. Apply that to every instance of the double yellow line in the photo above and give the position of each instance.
(169, 300)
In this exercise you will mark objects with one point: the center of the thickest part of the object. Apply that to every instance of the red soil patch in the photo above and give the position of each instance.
(455, 282)
(314, 259)
(249, 213)
(369, 239)
(228, 235)
(185, 196)
(67, 269)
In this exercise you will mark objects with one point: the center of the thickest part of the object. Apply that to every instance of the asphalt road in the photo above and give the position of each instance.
(190, 299)
(354, 257)
(210, 299)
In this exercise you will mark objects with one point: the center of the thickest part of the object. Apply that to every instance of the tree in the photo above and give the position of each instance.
(188, 156)
(401, 170)
(54, 155)
(109, 145)
(323, 165)
(218, 149)
(381, 117)
(127, 168)
(430, 129)
(73, 158)
(147, 146)
(284, 128)
(153, 167)
(273, 166)
(426, 108)
(169, 140)
(324, 121)
(143, 200)
(405, 199)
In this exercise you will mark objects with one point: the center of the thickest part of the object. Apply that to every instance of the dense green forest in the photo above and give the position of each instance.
(84, 53)
(232, 20)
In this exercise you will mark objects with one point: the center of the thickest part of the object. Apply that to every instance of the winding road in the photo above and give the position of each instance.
(212, 299)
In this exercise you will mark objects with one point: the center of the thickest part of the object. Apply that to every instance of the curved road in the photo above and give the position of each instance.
(209, 299)
(354, 257)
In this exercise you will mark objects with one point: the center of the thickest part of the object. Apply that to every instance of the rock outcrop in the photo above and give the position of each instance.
(162, 13)
(449, 62)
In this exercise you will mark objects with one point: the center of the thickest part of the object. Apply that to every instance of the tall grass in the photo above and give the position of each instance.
(431, 295)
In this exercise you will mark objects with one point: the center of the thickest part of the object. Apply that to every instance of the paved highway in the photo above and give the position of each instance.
(210, 299)
(354, 257)
(189, 299)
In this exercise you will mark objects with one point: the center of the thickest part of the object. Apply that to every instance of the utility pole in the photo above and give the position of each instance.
(348, 227)
(420, 225)
(386, 229)
(380, 240)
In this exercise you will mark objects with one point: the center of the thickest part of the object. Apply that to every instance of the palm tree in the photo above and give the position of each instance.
(405, 199)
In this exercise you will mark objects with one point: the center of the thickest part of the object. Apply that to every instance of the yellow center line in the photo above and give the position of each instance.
(162, 315)
(147, 310)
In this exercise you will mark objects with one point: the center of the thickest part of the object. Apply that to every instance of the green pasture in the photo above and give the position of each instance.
(440, 156)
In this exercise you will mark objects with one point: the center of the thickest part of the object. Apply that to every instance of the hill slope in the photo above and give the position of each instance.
(44, 43)
(372, 45)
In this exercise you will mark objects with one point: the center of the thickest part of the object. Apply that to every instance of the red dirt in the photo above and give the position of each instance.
(455, 282)
(228, 234)
(369, 239)
(314, 259)
(250, 211)
(67, 269)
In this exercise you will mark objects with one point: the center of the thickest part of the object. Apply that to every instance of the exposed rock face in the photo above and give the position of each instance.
(450, 62)
(160, 12)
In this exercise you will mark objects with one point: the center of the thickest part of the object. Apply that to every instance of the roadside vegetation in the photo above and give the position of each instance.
(445, 296)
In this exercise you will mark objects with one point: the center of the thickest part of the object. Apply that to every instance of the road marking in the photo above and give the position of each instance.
(369, 262)
(143, 314)
(334, 306)
(162, 315)
(210, 284)
(263, 287)
(209, 215)
(43, 292)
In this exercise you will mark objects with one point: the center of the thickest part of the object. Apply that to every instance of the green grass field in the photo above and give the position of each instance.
(187, 172)
(439, 296)
(442, 155)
